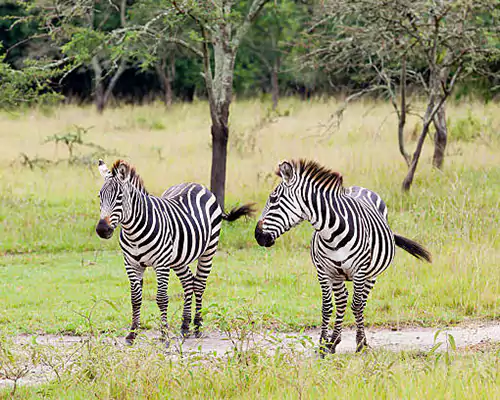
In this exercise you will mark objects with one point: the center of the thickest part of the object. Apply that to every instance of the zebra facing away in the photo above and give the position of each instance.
(352, 239)
(170, 231)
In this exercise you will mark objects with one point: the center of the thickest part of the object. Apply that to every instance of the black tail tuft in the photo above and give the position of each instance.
(412, 247)
(237, 212)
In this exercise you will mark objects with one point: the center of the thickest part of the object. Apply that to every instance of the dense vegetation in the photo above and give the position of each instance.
(271, 58)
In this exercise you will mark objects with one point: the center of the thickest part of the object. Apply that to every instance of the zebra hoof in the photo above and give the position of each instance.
(185, 333)
(361, 346)
(129, 341)
(198, 334)
(325, 349)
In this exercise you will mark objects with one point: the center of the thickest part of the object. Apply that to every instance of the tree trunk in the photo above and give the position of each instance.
(166, 73)
(220, 135)
(168, 92)
(407, 182)
(99, 99)
(441, 137)
(275, 88)
(402, 113)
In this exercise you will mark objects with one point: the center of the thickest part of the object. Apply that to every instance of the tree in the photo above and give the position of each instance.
(89, 34)
(100, 60)
(273, 37)
(213, 31)
(429, 45)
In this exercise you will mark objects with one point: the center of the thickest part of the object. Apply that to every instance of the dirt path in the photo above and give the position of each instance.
(218, 344)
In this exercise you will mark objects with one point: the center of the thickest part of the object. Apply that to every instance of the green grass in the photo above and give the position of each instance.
(57, 276)
(109, 373)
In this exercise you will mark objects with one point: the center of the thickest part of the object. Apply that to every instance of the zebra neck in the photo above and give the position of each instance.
(320, 208)
(139, 208)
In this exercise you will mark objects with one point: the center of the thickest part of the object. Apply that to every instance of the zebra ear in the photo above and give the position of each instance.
(123, 171)
(285, 170)
(103, 169)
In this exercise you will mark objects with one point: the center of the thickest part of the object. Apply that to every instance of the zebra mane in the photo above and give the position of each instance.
(317, 172)
(135, 178)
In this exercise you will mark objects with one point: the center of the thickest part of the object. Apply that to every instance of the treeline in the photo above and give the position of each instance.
(275, 58)
(264, 65)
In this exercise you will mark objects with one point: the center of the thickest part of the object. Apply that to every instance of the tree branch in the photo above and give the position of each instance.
(252, 14)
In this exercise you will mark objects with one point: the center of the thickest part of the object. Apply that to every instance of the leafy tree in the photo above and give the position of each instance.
(273, 38)
(213, 31)
(26, 87)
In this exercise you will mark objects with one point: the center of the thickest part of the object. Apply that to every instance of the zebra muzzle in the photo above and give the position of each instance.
(103, 229)
(263, 238)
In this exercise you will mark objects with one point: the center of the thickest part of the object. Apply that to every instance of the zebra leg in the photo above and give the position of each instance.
(187, 279)
(341, 295)
(200, 283)
(326, 312)
(362, 288)
(162, 276)
(135, 275)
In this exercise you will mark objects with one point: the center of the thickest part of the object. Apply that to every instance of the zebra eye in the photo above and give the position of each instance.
(273, 198)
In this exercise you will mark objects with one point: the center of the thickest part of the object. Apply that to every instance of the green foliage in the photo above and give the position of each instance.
(25, 88)
(472, 127)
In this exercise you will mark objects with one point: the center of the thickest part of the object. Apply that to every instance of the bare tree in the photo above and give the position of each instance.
(430, 45)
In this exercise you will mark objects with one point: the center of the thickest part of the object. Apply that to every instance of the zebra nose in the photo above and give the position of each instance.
(103, 229)
(263, 238)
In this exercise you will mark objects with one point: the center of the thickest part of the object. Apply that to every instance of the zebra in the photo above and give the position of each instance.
(352, 240)
(170, 231)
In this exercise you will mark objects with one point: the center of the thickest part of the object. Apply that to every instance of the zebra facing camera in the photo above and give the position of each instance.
(103, 229)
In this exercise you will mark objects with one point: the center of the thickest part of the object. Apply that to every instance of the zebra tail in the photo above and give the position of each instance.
(412, 247)
(237, 212)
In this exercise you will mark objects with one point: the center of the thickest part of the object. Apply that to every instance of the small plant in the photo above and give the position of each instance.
(150, 124)
(158, 151)
(15, 364)
(240, 326)
(75, 143)
(466, 129)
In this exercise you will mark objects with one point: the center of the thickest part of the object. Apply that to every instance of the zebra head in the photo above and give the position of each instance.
(113, 196)
(282, 211)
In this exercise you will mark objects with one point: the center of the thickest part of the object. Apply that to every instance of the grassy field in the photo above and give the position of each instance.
(57, 276)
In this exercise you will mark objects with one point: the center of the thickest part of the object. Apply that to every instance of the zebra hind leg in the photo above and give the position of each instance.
(341, 295)
(362, 288)
(200, 283)
(187, 279)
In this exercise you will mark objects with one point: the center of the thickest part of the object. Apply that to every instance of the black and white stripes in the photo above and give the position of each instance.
(352, 239)
(170, 231)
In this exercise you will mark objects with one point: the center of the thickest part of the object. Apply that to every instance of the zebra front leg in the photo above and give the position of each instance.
(135, 275)
(362, 288)
(200, 283)
(326, 313)
(162, 276)
(187, 279)
(341, 295)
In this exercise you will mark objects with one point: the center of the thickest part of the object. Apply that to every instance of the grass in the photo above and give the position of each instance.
(56, 275)
(101, 371)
